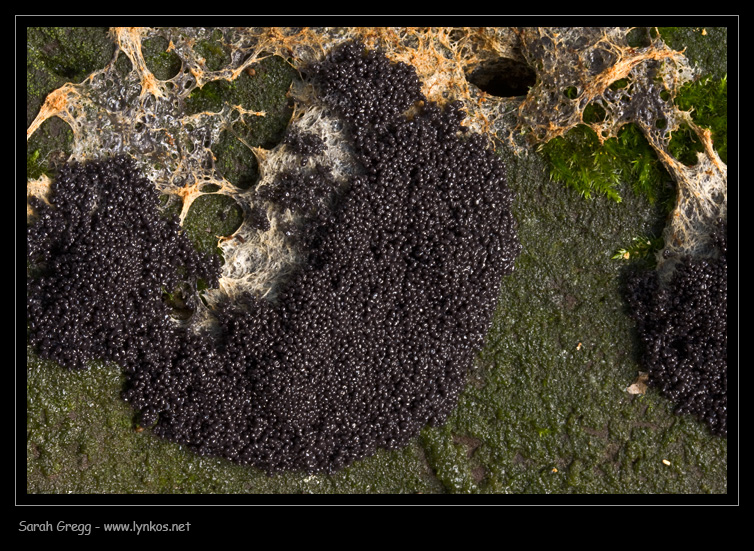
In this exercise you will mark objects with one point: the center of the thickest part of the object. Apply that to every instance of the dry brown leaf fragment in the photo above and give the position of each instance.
(639, 386)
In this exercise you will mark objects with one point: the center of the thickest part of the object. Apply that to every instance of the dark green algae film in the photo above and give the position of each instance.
(545, 410)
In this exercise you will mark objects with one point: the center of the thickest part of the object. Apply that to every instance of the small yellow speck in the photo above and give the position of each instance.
(704, 32)
(578, 346)
(666, 462)
(554, 470)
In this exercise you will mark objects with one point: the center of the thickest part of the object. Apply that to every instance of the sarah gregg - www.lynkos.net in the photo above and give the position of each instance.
(86, 528)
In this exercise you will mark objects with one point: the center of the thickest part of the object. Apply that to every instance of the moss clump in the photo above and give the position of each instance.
(34, 168)
(643, 248)
(707, 99)
(582, 162)
(579, 161)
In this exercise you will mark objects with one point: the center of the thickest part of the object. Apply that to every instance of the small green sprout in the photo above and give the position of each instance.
(641, 248)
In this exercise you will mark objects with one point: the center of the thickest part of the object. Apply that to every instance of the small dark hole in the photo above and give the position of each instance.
(639, 37)
(503, 77)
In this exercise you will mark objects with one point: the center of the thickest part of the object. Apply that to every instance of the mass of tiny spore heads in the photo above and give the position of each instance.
(304, 143)
(366, 344)
(103, 256)
(683, 326)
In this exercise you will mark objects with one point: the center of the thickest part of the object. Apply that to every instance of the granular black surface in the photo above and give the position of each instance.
(684, 328)
(365, 345)
(104, 256)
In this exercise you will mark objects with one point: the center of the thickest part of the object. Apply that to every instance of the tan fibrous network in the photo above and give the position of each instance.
(139, 115)
(590, 60)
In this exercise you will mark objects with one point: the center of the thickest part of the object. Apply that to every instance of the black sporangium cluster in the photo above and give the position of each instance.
(366, 344)
(303, 193)
(104, 256)
(683, 326)
(304, 143)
